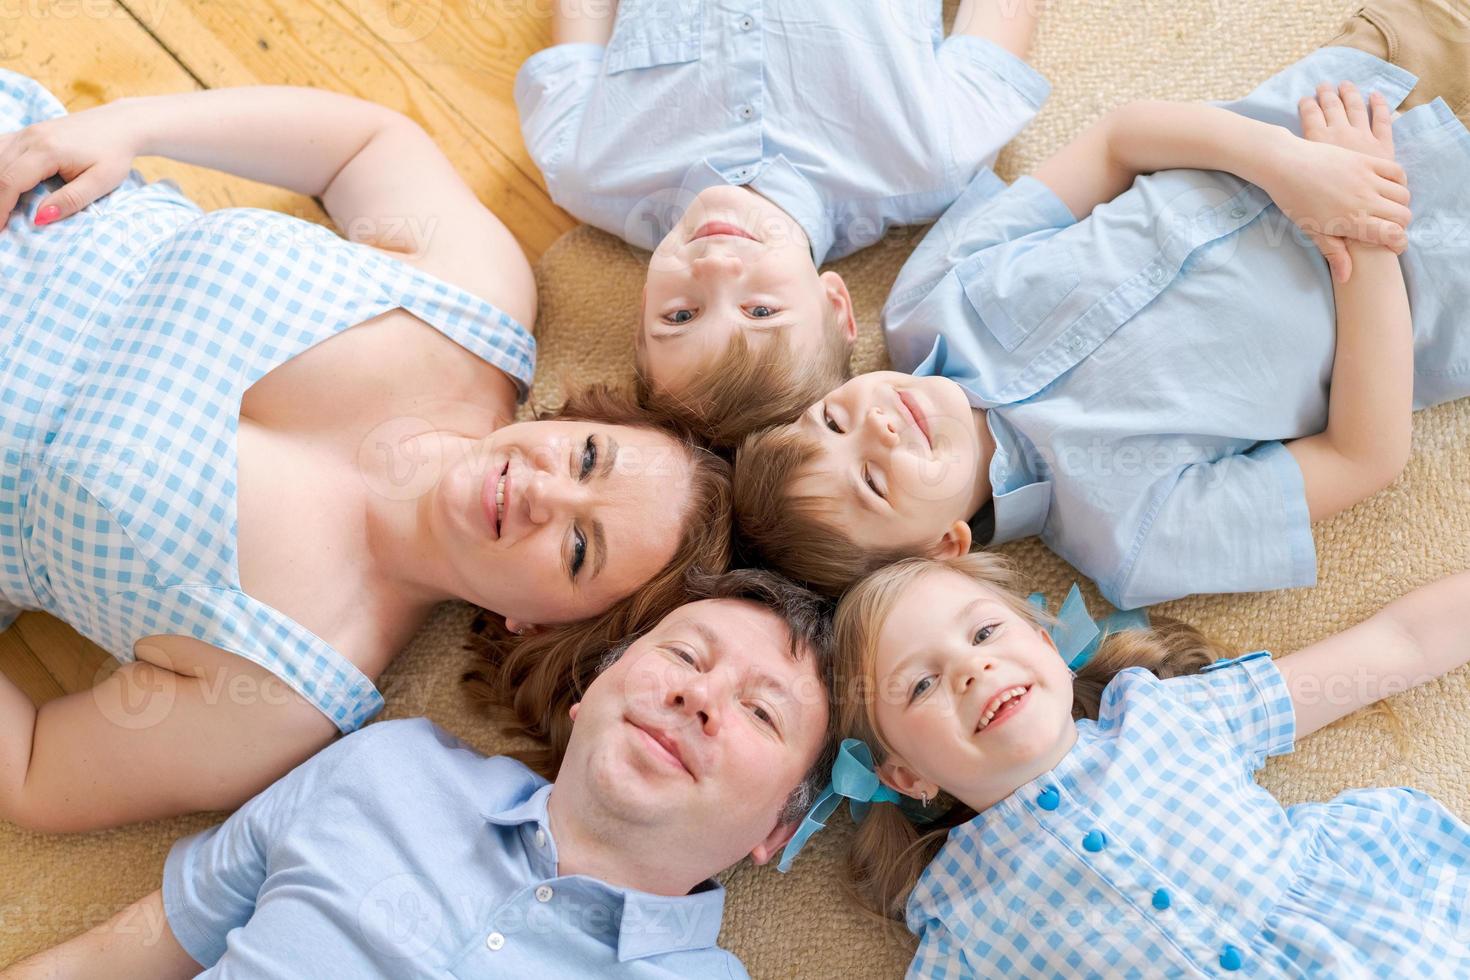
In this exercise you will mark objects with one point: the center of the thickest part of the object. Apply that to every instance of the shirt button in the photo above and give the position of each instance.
(540, 838)
(1156, 275)
(746, 112)
(543, 894)
(1075, 344)
(1161, 899)
(746, 22)
(1231, 959)
(1094, 841)
(1237, 212)
(1049, 799)
(494, 941)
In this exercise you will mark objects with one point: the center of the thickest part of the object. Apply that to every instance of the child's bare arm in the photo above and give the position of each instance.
(1366, 443)
(1318, 185)
(135, 944)
(1009, 23)
(1409, 642)
(583, 21)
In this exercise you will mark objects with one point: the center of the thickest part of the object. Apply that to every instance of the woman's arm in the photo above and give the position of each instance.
(583, 21)
(191, 728)
(1319, 186)
(378, 174)
(1370, 406)
(135, 944)
(1409, 642)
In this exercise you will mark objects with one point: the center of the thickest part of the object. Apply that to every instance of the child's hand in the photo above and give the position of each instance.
(1340, 182)
(92, 151)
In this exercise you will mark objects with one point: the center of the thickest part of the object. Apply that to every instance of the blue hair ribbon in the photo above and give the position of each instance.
(855, 779)
(1077, 635)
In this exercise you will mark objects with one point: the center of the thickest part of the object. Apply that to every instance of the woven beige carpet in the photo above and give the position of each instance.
(1097, 55)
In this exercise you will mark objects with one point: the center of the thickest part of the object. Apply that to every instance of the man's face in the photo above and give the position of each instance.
(699, 733)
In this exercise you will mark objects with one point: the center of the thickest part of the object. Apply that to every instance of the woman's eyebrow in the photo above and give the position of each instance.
(599, 549)
(609, 458)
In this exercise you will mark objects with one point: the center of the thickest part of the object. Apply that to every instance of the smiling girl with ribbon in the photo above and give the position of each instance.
(1104, 818)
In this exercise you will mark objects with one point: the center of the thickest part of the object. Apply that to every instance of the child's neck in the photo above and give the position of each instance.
(982, 798)
(983, 492)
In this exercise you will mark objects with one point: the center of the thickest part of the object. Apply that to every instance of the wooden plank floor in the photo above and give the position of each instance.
(449, 64)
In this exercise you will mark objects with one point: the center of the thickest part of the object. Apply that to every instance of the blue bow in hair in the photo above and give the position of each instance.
(1077, 635)
(853, 777)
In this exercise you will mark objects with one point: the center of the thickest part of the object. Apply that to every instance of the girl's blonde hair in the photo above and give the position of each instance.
(888, 851)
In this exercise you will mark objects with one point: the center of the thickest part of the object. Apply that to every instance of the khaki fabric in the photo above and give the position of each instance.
(1097, 54)
(1431, 38)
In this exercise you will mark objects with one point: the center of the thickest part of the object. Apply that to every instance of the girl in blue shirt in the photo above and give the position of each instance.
(1105, 820)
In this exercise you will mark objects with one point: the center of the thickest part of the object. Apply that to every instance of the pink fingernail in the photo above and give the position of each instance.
(47, 215)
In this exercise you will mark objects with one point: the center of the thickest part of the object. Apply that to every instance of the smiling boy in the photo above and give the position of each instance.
(746, 144)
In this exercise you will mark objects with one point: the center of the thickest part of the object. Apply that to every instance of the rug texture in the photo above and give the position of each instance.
(1097, 54)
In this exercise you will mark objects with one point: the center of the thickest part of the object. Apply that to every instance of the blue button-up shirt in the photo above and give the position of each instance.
(401, 852)
(1150, 851)
(1142, 367)
(851, 115)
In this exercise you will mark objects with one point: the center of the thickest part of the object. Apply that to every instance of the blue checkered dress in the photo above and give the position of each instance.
(1150, 851)
(128, 335)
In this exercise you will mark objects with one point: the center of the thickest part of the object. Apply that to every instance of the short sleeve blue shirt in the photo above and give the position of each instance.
(1150, 851)
(1142, 367)
(851, 116)
(400, 852)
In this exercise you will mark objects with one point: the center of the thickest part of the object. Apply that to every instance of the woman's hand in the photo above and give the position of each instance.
(1340, 181)
(92, 151)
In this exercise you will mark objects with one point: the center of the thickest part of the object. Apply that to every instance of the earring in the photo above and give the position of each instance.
(924, 800)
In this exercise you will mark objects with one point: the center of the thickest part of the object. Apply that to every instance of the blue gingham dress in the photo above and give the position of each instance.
(128, 335)
(1151, 852)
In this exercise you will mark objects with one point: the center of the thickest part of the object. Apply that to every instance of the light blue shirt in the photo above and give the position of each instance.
(851, 115)
(1142, 367)
(400, 852)
(1150, 851)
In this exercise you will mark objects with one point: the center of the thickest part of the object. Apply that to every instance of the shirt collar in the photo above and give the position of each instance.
(1021, 498)
(650, 925)
(778, 180)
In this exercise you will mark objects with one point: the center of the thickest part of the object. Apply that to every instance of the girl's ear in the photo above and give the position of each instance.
(955, 542)
(572, 711)
(521, 629)
(841, 301)
(897, 776)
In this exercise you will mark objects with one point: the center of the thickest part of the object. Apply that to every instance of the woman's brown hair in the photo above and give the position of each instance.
(888, 851)
(529, 682)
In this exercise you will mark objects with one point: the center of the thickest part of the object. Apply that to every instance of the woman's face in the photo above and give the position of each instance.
(553, 522)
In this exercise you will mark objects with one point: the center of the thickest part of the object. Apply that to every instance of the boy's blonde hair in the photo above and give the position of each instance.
(787, 530)
(888, 852)
(743, 389)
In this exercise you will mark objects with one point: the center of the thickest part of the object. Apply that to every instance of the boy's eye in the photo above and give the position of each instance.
(982, 634)
(828, 420)
(762, 312)
(683, 655)
(764, 716)
(872, 484)
(579, 551)
(920, 688)
(679, 316)
(589, 458)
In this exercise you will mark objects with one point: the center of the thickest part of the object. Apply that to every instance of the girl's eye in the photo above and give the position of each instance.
(579, 550)
(761, 312)
(982, 634)
(764, 716)
(831, 424)
(920, 688)
(679, 316)
(683, 655)
(589, 458)
(872, 485)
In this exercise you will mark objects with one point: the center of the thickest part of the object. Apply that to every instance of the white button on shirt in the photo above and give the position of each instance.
(494, 942)
(627, 134)
(543, 894)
